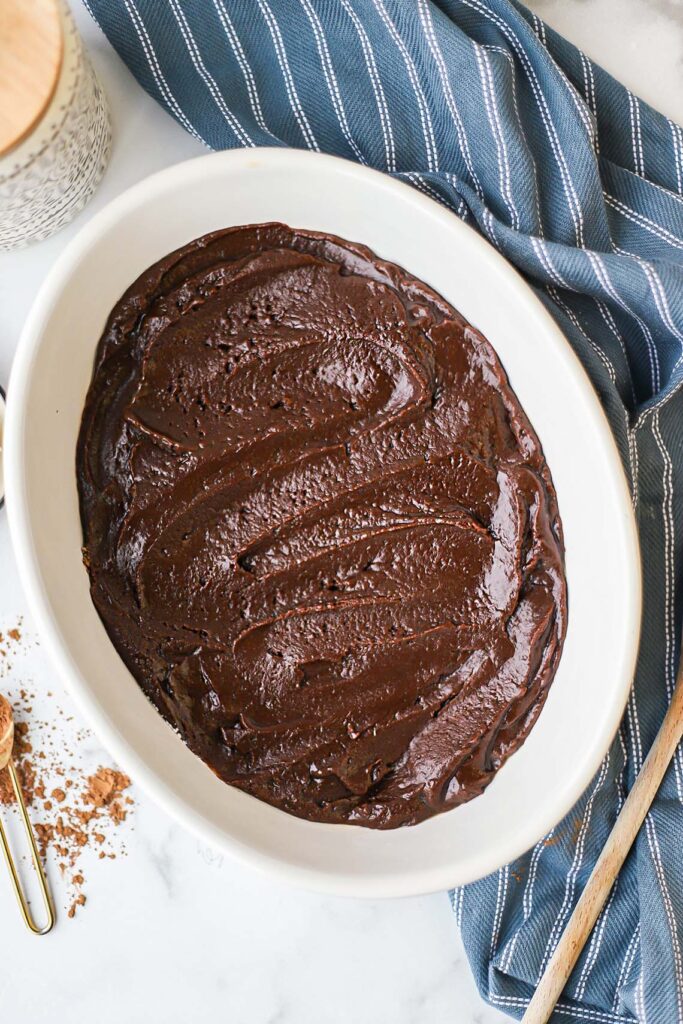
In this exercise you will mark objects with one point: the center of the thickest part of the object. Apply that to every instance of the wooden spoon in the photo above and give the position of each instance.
(610, 861)
(6, 744)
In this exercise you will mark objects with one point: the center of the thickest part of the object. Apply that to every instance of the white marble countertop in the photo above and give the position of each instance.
(171, 930)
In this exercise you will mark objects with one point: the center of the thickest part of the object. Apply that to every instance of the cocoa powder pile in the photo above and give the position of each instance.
(73, 811)
(6, 730)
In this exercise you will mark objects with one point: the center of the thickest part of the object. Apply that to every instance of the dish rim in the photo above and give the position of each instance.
(410, 882)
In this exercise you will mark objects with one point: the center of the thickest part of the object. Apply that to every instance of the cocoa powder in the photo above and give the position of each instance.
(71, 811)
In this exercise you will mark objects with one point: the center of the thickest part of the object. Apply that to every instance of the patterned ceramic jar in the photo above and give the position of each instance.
(48, 174)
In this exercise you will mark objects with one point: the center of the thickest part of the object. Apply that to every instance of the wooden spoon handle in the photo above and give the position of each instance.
(609, 863)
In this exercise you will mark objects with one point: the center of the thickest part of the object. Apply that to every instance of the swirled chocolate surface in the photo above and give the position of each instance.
(319, 528)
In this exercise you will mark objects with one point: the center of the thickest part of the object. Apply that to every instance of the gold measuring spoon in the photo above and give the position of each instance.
(6, 763)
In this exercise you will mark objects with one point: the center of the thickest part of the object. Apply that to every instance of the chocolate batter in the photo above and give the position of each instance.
(319, 528)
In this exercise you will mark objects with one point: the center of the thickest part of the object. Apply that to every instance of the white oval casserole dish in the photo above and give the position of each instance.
(52, 370)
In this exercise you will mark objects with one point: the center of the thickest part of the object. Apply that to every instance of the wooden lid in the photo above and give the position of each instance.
(30, 61)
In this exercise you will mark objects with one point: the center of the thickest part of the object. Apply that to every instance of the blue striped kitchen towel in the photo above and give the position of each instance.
(580, 185)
